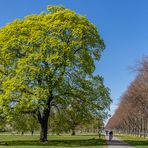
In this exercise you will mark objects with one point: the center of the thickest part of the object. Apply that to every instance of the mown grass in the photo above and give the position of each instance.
(86, 141)
(137, 142)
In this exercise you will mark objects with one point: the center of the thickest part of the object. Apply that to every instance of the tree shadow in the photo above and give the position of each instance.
(64, 143)
(75, 142)
(138, 143)
(127, 143)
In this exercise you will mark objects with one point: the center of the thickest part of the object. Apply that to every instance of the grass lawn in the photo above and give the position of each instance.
(137, 142)
(86, 141)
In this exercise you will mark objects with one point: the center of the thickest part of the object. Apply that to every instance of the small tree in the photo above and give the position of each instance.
(82, 108)
(25, 123)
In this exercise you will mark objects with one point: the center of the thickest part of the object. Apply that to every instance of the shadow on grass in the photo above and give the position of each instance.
(64, 143)
(127, 143)
(137, 143)
(76, 143)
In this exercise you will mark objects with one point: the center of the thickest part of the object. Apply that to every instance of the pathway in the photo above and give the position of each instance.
(116, 143)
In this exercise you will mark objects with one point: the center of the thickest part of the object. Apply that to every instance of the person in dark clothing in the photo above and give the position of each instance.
(110, 135)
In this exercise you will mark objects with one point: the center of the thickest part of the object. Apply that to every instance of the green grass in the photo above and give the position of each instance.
(135, 141)
(17, 141)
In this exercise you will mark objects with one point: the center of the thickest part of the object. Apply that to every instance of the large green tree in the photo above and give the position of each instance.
(39, 55)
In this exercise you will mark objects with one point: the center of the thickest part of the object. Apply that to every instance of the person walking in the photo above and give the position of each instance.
(110, 135)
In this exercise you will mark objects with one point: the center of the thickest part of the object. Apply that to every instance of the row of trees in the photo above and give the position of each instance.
(47, 61)
(132, 113)
(61, 122)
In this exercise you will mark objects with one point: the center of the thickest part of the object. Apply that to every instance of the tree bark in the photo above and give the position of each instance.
(43, 120)
(73, 132)
(44, 130)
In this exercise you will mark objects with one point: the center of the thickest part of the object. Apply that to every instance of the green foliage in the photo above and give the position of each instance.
(83, 108)
(53, 9)
(49, 59)
(24, 123)
(37, 53)
(74, 115)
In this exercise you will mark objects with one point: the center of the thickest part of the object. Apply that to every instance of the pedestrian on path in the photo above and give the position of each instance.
(110, 135)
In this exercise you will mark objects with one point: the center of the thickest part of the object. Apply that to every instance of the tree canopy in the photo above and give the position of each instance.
(46, 60)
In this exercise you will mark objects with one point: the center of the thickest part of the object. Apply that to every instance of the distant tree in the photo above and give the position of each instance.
(58, 124)
(132, 114)
(2, 124)
(82, 108)
(19, 124)
(72, 117)
(24, 123)
(32, 124)
(39, 57)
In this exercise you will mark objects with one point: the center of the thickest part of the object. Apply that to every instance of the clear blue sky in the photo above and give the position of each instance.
(123, 24)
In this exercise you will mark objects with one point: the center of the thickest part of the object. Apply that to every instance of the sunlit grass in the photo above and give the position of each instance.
(17, 141)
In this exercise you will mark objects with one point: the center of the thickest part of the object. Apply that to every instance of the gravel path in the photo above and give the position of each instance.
(116, 143)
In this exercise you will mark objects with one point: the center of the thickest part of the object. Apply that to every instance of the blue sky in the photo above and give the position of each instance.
(123, 24)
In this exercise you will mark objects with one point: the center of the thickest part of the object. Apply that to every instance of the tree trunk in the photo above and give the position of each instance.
(44, 130)
(73, 132)
(43, 120)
